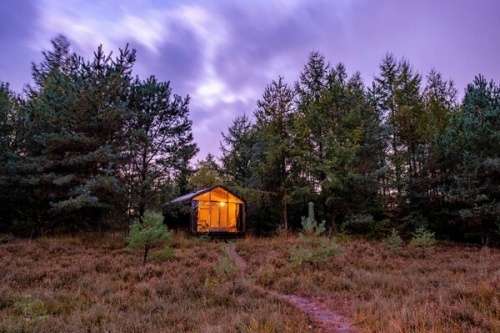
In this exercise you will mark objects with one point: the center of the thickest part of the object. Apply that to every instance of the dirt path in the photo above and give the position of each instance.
(328, 313)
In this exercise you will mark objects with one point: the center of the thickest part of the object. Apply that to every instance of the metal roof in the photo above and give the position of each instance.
(190, 196)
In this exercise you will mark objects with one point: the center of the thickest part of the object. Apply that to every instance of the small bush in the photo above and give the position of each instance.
(163, 255)
(313, 248)
(314, 252)
(31, 309)
(227, 268)
(423, 239)
(365, 225)
(311, 228)
(394, 242)
(148, 234)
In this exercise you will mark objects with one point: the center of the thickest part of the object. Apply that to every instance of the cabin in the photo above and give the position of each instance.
(214, 211)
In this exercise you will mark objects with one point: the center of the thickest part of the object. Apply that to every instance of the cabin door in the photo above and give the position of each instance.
(223, 215)
(218, 218)
(214, 215)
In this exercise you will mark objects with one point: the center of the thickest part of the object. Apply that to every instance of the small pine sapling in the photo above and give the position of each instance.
(394, 242)
(311, 228)
(423, 239)
(148, 234)
(313, 248)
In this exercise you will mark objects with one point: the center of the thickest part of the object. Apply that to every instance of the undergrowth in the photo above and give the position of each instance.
(390, 288)
(92, 284)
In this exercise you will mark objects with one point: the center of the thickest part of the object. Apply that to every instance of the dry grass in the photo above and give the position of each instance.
(91, 284)
(453, 289)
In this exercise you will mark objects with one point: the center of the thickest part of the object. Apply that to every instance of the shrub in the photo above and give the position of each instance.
(394, 242)
(311, 228)
(227, 268)
(365, 225)
(423, 239)
(31, 309)
(313, 248)
(165, 254)
(148, 234)
(314, 252)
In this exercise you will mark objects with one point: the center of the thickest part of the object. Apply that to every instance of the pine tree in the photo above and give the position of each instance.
(440, 102)
(274, 114)
(11, 136)
(159, 142)
(57, 61)
(76, 120)
(206, 173)
(368, 163)
(149, 234)
(471, 153)
(328, 133)
(309, 128)
(397, 97)
(237, 152)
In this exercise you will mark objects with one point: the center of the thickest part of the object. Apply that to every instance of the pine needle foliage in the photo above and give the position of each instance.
(423, 239)
(313, 249)
(394, 242)
(311, 228)
(148, 234)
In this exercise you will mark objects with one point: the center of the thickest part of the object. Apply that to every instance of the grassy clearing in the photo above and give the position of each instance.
(93, 284)
(453, 289)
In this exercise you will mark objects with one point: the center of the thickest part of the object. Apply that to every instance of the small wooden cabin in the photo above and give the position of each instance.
(213, 211)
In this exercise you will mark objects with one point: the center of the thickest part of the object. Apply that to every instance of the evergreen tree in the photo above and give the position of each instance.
(274, 115)
(396, 94)
(342, 138)
(333, 121)
(237, 152)
(159, 142)
(440, 102)
(471, 155)
(76, 121)
(11, 136)
(368, 162)
(309, 128)
(149, 234)
(206, 173)
(440, 99)
(60, 60)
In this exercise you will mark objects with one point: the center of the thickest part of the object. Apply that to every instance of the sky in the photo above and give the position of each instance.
(223, 53)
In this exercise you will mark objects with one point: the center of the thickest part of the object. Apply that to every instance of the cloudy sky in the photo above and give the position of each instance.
(224, 52)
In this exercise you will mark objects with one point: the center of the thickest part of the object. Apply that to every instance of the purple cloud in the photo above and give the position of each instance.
(17, 22)
(223, 53)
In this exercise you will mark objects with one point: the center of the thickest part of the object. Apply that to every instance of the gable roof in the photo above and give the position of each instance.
(191, 196)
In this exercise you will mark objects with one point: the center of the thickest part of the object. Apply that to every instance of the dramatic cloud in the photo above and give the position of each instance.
(223, 52)
(17, 23)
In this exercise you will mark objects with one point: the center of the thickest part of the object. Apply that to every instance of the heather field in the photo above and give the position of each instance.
(92, 284)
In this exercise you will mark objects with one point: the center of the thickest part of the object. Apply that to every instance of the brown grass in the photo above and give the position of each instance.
(92, 284)
(454, 289)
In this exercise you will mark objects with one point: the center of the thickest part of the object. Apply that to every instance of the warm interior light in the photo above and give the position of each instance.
(222, 203)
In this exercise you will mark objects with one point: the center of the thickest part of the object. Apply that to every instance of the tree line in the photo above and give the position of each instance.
(401, 153)
(89, 146)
